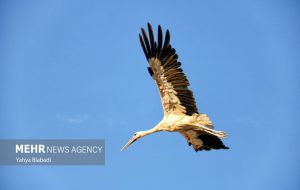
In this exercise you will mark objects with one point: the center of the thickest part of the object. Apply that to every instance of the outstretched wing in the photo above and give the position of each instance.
(165, 69)
(201, 140)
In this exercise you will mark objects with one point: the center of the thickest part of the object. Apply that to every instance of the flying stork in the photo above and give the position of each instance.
(179, 106)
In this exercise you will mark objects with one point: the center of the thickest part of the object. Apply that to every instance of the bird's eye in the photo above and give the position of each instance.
(134, 134)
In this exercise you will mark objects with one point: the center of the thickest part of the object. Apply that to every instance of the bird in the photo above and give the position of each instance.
(179, 107)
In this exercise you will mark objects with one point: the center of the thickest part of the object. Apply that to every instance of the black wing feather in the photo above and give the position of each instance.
(159, 39)
(152, 43)
(146, 41)
(144, 47)
(210, 142)
(172, 67)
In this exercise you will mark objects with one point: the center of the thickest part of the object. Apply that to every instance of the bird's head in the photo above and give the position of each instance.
(135, 137)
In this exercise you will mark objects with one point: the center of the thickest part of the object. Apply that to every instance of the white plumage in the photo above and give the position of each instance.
(180, 110)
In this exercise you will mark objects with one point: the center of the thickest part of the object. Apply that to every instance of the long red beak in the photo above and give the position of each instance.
(129, 143)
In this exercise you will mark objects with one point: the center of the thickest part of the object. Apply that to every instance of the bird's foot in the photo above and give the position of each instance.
(220, 134)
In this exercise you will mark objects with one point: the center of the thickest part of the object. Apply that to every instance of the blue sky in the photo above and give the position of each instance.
(75, 69)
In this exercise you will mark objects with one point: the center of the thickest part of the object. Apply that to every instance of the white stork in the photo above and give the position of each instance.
(180, 110)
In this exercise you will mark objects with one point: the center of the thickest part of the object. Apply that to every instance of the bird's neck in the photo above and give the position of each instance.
(148, 132)
(155, 129)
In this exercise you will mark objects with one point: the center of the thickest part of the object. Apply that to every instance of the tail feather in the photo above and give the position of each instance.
(204, 120)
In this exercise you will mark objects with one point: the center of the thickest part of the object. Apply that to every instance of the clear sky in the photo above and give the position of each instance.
(75, 69)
